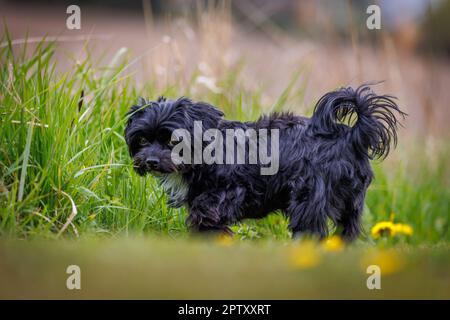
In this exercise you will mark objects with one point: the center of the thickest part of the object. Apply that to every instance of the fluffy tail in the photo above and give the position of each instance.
(375, 127)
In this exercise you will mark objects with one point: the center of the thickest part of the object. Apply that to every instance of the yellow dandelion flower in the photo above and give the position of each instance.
(388, 228)
(389, 261)
(382, 228)
(224, 240)
(403, 228)
(304, 255)
(333, 243)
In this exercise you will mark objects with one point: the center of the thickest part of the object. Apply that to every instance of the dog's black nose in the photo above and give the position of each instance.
(152, 162)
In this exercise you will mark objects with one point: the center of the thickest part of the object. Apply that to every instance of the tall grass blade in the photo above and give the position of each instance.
(26, 156)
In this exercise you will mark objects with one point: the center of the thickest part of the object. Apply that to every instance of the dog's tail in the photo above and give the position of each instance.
(374, 128)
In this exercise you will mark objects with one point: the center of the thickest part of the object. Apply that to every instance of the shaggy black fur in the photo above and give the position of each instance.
(324, 168)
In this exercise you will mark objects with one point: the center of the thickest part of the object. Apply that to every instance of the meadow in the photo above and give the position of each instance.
(68, 190)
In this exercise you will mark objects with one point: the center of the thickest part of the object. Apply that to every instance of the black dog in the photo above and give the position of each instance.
(323, 172)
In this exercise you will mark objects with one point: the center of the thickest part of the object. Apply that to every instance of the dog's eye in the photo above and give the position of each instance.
(143, 141)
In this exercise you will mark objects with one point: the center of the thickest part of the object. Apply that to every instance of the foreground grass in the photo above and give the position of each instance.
(163, 269)
(65, 169)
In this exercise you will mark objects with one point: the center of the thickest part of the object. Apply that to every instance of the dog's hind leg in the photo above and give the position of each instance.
(351, 225)
(307, 210)
(348, 203)
(350, 221)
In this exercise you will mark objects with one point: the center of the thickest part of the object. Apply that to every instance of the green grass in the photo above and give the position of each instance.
(61, 141)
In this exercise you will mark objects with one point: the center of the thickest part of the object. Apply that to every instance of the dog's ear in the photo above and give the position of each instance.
(200, 111)
(133, 112)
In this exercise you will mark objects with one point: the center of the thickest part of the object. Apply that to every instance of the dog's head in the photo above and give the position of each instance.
(149, 131)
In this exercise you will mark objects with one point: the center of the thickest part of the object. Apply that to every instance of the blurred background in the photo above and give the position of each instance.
(326, 42)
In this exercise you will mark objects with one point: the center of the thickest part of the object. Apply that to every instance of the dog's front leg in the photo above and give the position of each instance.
(212, 211)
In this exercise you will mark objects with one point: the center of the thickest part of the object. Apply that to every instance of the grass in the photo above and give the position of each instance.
(65, 173)
(62, 141)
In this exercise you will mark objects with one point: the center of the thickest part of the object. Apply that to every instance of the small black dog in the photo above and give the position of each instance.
(323, 169)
